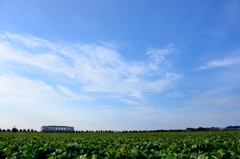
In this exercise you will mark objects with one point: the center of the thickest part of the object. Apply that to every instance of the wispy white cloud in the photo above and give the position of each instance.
(158, 56)
(45, 61)
(214, 32)
(96, 68)
(131, 102)
(220, 97)
(137, 95)
(232, 12)
(232, 59)
(111, 111)
(32, 103)
(23, 90)
(175, 94)
(134, 112)
(72, 94)
(28, 95)
(27, 41)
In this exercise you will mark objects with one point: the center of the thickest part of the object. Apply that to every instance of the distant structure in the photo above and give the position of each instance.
(52, 128)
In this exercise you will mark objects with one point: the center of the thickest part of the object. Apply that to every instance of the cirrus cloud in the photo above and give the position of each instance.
(96, 68)
(232, 59)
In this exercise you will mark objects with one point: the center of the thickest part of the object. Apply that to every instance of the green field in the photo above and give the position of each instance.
(220, 144)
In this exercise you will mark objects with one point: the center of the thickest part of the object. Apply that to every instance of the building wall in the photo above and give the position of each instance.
(57, 129)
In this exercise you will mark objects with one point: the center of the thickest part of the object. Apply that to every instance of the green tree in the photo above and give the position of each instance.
(14, 129)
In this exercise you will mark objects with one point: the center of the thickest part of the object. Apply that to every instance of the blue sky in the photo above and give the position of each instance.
(119, 65)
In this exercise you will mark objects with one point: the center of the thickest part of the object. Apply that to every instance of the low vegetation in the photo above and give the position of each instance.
(170, 145)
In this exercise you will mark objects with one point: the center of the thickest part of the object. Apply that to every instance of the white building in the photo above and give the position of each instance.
(52, 128)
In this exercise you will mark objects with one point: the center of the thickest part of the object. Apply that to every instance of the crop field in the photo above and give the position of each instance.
(170, 145)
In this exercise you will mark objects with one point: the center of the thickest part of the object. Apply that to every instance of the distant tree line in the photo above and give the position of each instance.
(98, 131)
(144, 131)
(213, 128)
(14, 129)
(232, 127)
